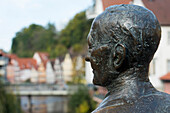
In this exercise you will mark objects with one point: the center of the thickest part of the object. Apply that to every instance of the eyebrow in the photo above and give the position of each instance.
(88, 42)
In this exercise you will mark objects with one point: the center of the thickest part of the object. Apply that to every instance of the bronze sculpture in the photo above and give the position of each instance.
(122, 42)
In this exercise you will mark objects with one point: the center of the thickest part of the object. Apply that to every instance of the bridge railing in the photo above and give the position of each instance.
(41, 89)
(34, 87)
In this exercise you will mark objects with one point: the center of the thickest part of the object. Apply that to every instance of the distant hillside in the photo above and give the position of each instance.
(47, 39)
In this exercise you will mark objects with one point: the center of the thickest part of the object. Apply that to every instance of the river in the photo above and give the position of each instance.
(45, 104)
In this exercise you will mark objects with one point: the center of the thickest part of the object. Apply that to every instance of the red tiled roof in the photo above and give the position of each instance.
(9, 56)
(27, 63)
(166, 77)
(107, 3)
(12, 56)
(2, 52)
(161, 8)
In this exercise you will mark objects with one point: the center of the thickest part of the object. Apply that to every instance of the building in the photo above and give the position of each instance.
(58, 70)
(50, 74)
(100, 5)
(27, 65)
(42, 59)
(39, 69)
(3, 66)
(166, 82)
(20, 70)
(160, 64)
(13, 69)
(34, 75)
(67, 66)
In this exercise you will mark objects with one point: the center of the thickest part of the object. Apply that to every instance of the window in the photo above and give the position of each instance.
(152, 67)
(168, 37)
(168, 65)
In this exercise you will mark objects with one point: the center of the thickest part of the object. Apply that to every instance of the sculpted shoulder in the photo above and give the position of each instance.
(163, 103)
(152, 103)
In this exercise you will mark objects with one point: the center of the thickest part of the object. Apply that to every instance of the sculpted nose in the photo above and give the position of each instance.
(87, 58)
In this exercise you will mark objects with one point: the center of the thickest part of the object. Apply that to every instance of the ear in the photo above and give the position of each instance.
(119, 55)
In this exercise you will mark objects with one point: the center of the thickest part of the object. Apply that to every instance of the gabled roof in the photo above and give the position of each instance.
(44, 57)
(27, 63)
(161, 8)
(166, 77)
(107, 3)
(52, 61)
(61, 58)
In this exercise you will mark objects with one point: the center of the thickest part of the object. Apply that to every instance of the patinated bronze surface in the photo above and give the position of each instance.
(122, 42)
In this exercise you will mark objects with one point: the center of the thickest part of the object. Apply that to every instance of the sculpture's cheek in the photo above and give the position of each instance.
(96, 78)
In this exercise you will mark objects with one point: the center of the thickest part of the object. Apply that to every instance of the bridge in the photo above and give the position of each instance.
(31, 90)
(40, 89)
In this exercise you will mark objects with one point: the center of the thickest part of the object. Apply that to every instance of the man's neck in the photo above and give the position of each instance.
(129, 85)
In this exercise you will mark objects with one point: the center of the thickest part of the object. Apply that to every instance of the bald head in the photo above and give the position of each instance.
(133, 26)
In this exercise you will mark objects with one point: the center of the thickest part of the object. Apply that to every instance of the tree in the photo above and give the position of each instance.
(47, 39)
(76, 31)
(58, 50)
(8, 102)
(81, 102)
(78, 74)
(34, 38)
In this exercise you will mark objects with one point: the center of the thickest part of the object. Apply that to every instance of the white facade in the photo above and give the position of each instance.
(160, 60)
(138, 2)
(24, 75)
(67, 66)
(95, 10)
(50, 76)
(34, 76)
(58, 71)
(37, 58)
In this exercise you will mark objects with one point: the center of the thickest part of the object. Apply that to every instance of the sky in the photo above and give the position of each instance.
(17, 14)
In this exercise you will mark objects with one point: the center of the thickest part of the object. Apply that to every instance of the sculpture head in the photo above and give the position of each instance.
(122, 37)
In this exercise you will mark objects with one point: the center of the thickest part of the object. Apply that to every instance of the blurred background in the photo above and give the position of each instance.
(43, 44)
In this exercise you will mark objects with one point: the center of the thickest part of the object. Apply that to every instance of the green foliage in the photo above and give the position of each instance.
(8, 102)
(76, 31)
(59, 50)
(47, 39)
(81, 102)
(77, 48)
(34, 38)
(78, 75)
